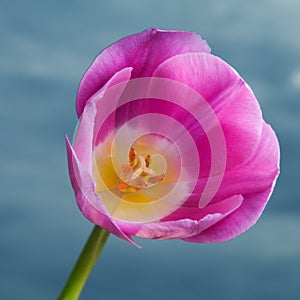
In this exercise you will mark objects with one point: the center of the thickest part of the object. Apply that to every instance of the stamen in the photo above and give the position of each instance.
(138, 174)
(132, 156)
(147, 160)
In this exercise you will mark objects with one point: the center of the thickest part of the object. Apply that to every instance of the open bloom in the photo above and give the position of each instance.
(171, 142)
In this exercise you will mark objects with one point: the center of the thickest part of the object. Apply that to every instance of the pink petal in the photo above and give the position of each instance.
(143, 51)
(83, 143)
(177, 229)
(237, 222)
(85, 136)
(88, 201)
(255, 181)
(259, 173)
(232, 100)
(183, 228)
(195, 213)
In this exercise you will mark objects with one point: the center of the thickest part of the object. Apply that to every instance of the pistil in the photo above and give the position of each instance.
(138, 174)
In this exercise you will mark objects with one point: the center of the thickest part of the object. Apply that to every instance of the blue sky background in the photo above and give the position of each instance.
(45, 48)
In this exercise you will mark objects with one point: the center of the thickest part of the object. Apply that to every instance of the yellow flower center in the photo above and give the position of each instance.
(139, 179)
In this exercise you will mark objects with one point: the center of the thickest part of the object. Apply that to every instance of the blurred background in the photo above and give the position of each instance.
(45, 48)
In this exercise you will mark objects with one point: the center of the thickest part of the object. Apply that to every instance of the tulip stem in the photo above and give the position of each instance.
(84, 264)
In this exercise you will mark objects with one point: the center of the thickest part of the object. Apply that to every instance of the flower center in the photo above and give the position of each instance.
(138, 174)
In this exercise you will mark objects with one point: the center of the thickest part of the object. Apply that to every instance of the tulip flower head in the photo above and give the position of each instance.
(171, 142)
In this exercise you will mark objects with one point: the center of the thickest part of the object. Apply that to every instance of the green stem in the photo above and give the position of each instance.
(85, 264)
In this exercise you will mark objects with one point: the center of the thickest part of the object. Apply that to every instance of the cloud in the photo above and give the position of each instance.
(295, 79)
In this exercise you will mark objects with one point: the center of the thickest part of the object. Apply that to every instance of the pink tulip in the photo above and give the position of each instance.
(171, 143)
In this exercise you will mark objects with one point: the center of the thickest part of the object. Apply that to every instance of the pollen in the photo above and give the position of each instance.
(138, 174)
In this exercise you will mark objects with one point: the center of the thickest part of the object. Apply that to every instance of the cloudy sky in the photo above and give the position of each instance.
(45, 48)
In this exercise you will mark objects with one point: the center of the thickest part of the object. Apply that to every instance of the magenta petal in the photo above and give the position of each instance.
(85, 136)
(83, 143)
(192, 221)
(185, 227)
(237, 222)
(177, 229)
(143, 52)
(209, 75)
(195, 213)
(255, 182)
(88, 201)
(259, 173)
(231, 98)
